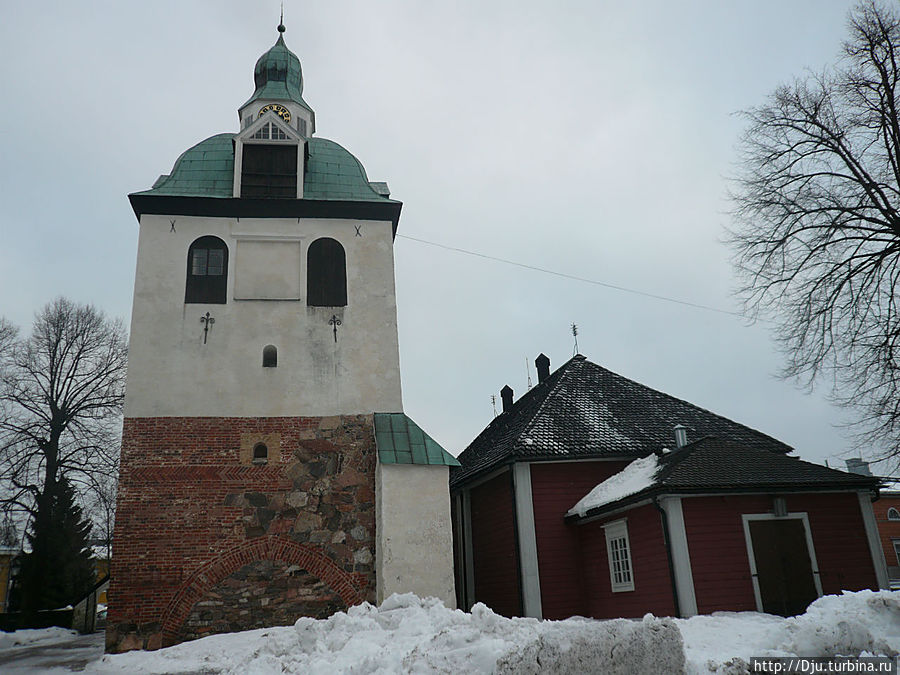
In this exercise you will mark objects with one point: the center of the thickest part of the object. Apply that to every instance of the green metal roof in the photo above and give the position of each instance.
(278, 76)
(207, 170)
(401, 441)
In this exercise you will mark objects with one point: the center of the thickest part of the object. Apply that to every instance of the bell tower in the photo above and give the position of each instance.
(268, 470)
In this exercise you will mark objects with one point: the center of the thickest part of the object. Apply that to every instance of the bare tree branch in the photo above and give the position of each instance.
(816, 234)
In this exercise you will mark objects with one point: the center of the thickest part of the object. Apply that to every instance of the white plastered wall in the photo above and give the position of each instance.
(171, 372)
(414, 540)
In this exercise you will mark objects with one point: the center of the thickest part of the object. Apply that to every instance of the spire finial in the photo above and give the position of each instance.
(281, 27)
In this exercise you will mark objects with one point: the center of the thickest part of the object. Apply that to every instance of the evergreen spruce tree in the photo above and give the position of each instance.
(58, 571)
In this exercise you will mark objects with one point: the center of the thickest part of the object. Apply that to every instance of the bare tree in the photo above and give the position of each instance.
(817, 229)
(61, 395)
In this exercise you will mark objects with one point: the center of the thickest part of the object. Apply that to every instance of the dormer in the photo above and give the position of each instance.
(279, 88)
(269, 159)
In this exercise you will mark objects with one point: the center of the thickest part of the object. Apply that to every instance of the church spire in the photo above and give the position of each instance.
(279, 81)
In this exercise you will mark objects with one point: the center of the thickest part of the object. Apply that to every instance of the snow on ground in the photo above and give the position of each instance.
(635, 477)
(45, 636)
(407, 634)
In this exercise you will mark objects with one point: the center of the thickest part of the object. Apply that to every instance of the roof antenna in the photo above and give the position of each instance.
(528, 373)
(575, 335)
(281, 27)
(494, 403)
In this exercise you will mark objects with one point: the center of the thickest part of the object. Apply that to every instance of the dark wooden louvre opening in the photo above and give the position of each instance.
(326, 274)
(207, 271)
(269, 171)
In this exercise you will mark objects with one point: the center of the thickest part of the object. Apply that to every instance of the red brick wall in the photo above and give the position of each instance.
(649, 563)
(556, 488)
(888, 530)
(191, 515)
(494, 556)
(718, 549)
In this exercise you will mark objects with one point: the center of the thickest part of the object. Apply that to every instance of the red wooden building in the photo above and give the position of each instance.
(887, 517)
(728, 522)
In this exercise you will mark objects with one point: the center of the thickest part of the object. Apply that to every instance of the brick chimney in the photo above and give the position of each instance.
(542, 363)
(506, 394)
(859, 466)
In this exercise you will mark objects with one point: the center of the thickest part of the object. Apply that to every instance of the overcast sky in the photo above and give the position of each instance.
(592, 138)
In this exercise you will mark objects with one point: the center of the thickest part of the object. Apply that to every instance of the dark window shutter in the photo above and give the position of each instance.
(326, 274)
(207, 271)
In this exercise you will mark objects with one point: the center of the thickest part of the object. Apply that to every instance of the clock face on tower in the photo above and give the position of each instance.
(279, 110)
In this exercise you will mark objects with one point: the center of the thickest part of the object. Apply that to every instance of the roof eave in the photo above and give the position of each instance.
(756, 488)
(224, 207)
(512, 457)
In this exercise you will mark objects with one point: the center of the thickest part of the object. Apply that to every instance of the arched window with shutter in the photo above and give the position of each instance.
(207, 271)
(326, 274)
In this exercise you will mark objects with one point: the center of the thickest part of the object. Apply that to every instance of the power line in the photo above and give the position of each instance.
(564, 275)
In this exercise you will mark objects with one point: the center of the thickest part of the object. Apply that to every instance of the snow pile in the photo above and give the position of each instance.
(638, 475)
(32, 636)
(408, 634)
(850, 624)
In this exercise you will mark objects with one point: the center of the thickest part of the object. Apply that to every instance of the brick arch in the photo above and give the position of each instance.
(350, 587)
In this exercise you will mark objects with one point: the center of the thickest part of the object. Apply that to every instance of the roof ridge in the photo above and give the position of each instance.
(560, 374)
(506, 420)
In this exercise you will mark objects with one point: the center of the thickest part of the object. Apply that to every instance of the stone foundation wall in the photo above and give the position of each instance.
(207, 542)
(260, 594)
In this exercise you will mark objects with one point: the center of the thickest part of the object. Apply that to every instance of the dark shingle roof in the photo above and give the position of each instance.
(583, 410)
(717, 462)
(718, 465)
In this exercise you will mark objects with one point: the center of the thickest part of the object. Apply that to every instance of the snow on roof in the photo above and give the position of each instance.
(637, 476)
(890, 485)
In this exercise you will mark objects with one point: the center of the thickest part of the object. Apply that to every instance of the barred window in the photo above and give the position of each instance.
(619, 554)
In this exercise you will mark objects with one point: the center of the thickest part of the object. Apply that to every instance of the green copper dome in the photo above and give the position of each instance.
(278, 75)
(207, 170)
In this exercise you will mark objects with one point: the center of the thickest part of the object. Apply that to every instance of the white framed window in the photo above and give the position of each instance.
(270, 131)
(618, 552)
(896, 543)
(893, 514)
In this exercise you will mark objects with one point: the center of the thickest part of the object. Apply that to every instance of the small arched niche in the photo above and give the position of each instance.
(260, 453)
(270, 356)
